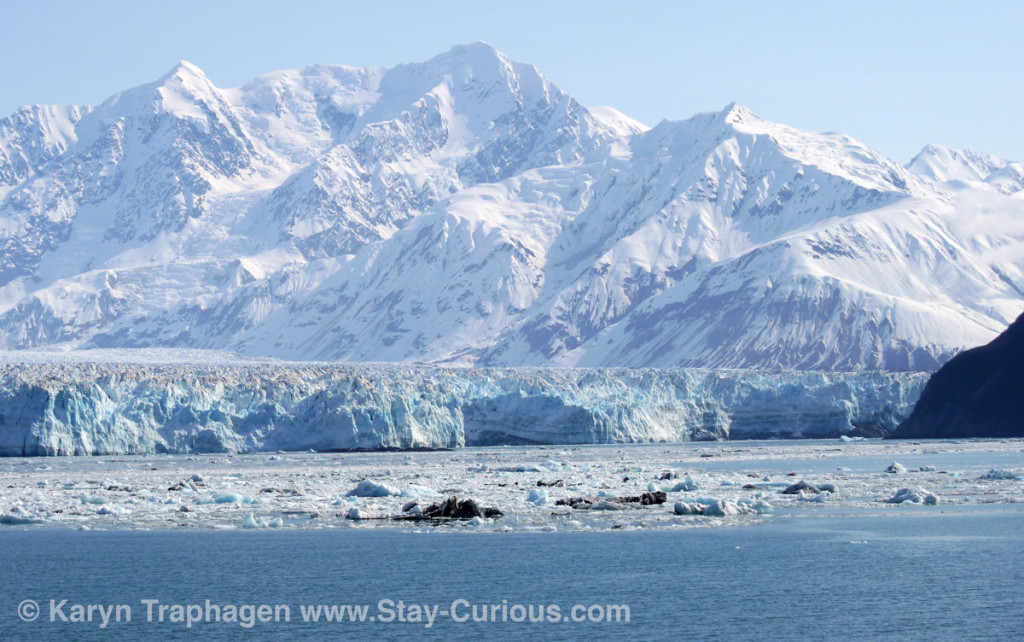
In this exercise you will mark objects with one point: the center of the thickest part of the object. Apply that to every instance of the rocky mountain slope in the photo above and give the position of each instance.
(465, 210)
(976, 394)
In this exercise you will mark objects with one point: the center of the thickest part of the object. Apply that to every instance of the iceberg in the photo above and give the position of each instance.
(367, 488)
(913, 496)
(538, 497)
(996, 474)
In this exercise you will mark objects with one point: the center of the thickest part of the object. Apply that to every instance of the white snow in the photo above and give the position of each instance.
(465, 210)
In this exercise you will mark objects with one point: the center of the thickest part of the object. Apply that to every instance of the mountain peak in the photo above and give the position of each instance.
(478, 48)
(735, 114)
(943, 163)
(184, 71)
(181, 89)
(478, 56)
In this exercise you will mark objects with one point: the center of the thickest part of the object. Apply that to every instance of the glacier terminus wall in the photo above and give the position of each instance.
(110, 408)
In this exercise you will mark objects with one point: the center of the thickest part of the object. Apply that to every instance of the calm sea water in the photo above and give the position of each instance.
(908, 575)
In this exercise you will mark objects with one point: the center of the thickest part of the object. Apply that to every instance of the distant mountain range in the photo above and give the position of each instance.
(465, 210)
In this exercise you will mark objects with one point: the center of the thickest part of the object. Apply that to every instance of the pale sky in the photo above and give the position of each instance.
(895, 74)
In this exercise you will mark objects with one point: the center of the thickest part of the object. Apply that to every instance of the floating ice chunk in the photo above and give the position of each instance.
(653, 488)
(999, 475)
(604, 504)
(367, 488)
(926, 469)
(414, 491)
(831, 488)
(362, 512)
(18, 520)
(820, 498)
(234, 498)
(896, 468)
(412, 508)
(913, 496)
(723, 508)
(605, 493)
(92, 499)
(113, 510)
(800, 487)
(521, 468)
(476, 521)
(42, 482)
(688, 484)
(19, 517)
(759, 506)
(685, 508)
(277, 522)
(250, 522)
(197, 478)
(554, 465)
(538, 497)
(848, 439)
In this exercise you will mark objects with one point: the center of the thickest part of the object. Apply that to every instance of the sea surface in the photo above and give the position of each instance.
(955, 573)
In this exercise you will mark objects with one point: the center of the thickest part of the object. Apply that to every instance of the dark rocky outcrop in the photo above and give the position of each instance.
(451, 508)
(585, 503)
(978, 393)
(795, 489)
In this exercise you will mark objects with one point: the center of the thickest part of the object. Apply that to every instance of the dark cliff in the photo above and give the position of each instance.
(978, 393)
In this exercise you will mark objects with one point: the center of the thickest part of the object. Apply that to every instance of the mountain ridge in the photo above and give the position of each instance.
(467, 211)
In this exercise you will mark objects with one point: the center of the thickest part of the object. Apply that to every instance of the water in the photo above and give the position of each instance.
(908, 575)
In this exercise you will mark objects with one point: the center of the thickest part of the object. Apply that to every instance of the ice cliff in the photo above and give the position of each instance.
(105, 408)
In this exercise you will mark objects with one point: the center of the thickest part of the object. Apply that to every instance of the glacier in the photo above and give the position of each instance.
(81, 407)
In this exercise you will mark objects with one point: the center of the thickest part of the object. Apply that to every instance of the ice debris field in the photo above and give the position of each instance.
(538, 488)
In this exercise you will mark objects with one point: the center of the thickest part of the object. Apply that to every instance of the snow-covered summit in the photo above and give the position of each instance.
(967, 167)
(466, 210)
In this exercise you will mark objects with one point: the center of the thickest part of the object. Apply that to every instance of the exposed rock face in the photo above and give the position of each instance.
(979, 393)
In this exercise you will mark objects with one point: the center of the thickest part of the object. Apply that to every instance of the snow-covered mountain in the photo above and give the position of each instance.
(465, 210)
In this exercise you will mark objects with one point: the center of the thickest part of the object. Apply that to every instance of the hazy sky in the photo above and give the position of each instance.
(896, 74)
